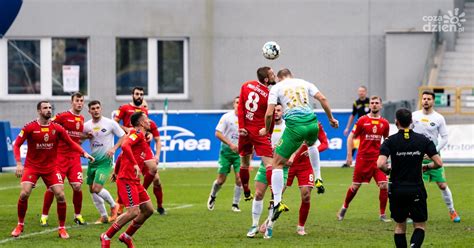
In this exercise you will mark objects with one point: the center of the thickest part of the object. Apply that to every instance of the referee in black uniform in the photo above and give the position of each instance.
(360, 107)
(407, 192)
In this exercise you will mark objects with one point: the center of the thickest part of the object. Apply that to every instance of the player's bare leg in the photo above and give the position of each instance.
(146, 210)
(304, 209)
(77, 201)
(216, 186)
(22, 207)
(153, 177)
(237, 193)
(383, 198)
(245, 176)
(448, 199)
(58, 191)
(351, 192)
(257, 208)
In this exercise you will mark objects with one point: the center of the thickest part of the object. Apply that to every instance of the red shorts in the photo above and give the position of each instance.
(50, 178)
(365, 169)
(261, 144)
(304, 173)
(131, 193)
(70, 168)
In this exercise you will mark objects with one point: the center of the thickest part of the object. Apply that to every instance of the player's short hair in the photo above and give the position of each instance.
(284, 73)
(403, 117)
(38, 106)
(76, 94)
(428, 92)
(93, 102)
(137, 88)
(363, 87)
(262, 73)
(376, 97)
(135, 118)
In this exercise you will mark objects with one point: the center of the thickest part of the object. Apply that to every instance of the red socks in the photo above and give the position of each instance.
(48, 201)
(349, 196)
(77, 201)
(134, 226)
(304, 211)
(147, 180)
(22, 207)
(244, 177)
(61, 213)
(268, 174)
(383, 197)
(113, 229)
(158, 191)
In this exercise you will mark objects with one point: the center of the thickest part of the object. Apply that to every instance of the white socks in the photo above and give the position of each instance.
(315, 162)
(215, 188)
(257, 208)
(277, 185)
(237, 194)
(99, 204)
(448, 198)
(105, 194)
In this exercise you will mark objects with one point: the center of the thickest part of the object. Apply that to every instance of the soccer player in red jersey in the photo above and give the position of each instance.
(370, 129)
(130, 191)
(125, 111)
(68, 161)
(301, 168)
(251, 112)
(43, 138)
(150, 171)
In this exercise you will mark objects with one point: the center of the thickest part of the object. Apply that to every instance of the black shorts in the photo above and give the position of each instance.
(408, 201)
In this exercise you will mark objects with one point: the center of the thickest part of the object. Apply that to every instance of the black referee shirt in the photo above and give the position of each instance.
(406, 150)
(361, 107)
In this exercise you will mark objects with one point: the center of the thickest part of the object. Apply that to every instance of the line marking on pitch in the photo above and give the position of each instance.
(181, 207)
(34, 234)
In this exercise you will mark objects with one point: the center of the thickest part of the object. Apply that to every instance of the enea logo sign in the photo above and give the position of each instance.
(174, 138)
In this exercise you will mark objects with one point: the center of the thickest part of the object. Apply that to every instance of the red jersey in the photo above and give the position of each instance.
(370, 132)
(253, 102)
(74, 125)
(133, 147)
(43, 144)
(154, 129)
(126, 111)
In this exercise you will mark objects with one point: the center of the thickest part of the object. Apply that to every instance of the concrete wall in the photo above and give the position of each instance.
(338, 44)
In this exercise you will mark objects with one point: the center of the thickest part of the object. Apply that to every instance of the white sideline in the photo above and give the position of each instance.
(72, 227)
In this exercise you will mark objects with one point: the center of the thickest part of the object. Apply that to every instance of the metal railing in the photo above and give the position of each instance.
(451, 100)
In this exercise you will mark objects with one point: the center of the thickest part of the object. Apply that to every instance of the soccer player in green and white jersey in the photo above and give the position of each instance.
(301, 126)
(101, 132)
(227, 131)
(433, 125)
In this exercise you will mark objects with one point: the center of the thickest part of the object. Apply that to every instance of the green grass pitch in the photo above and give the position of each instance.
(189, 223)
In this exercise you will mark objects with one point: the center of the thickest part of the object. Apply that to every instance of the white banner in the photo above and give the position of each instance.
(460, 147)
(70, 78)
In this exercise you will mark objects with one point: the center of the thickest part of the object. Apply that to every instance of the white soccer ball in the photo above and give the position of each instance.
(271, 50)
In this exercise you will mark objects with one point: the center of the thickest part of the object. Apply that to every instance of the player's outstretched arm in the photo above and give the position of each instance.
(268, 119)
(325, 104)
(65, 137)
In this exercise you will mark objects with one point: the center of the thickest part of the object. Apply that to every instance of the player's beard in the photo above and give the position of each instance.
(375, 111)
(271, 82)
(46, 116)
(137, 102)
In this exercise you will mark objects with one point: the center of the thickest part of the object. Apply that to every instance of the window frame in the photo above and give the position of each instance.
(152, 57)
(46, 70)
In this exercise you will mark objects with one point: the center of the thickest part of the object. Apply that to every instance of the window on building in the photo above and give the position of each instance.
(65, 53)
(131, 65)
(158, 65)
(24, 64)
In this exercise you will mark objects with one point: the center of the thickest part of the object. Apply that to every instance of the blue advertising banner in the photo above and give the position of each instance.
(190, 136)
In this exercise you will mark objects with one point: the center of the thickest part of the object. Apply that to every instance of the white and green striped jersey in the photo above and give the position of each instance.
(229, 127)
(103, 133)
